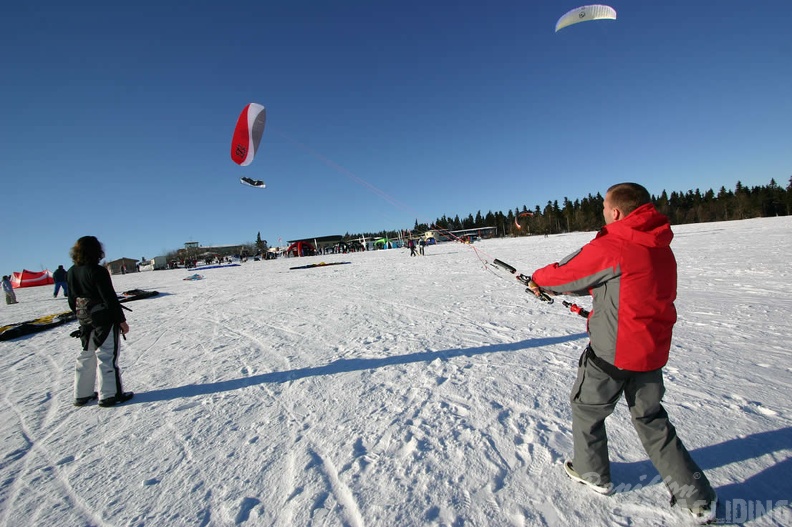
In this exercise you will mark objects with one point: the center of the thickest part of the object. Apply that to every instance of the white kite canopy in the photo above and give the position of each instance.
(586, 13)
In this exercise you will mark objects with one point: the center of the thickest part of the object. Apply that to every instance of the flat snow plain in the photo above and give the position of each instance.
(395, 391)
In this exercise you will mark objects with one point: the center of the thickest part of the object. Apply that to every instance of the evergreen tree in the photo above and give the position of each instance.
(788, 197)
(261, 245)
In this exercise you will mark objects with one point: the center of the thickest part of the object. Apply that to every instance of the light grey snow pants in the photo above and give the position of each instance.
(106, 356)
(594, 397)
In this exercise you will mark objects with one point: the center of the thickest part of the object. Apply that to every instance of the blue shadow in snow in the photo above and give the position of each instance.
(773, 484)
(341, 366)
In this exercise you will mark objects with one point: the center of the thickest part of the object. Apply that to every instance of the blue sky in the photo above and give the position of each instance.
(117, 117)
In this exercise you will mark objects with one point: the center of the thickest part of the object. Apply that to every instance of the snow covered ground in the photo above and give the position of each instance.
(395, 391)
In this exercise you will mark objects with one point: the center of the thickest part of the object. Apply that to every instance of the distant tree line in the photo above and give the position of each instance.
(585, 214)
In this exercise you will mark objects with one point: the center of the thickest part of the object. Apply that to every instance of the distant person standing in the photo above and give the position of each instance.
(60, 281)
(93, 298)
(8, 289)
(421, 245)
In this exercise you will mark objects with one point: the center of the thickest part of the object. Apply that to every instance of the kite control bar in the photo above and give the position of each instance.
(576, 309)
(544, 297)
(525, 279)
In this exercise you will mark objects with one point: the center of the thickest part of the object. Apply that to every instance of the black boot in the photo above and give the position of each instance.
(118, 399)
(82, 401)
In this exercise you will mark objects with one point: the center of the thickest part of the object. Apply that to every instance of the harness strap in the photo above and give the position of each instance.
(616, 373)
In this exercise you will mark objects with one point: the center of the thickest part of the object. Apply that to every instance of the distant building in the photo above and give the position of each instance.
(156, 263)
(465, 234)
(196, 252)
(126, 265)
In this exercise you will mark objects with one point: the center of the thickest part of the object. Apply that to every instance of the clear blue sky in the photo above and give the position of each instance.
(117, 116)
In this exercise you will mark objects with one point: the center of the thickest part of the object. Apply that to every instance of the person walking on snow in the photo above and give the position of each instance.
(93, 298)
(8, 289)
(630, 271)
(60, 281)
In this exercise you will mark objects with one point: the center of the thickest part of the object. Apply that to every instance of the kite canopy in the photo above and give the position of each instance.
(247, 134)
(586, 13)
(521, 215)
(31, 278)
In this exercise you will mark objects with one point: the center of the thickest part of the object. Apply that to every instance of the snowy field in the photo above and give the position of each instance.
(395, 391)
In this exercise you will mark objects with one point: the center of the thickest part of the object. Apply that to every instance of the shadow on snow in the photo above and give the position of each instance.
(341, 366)
(771, 484)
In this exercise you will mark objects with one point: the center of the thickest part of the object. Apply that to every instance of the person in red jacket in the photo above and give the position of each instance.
(630, 271)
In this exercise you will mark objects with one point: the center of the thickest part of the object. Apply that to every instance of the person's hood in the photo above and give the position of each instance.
(644, 226)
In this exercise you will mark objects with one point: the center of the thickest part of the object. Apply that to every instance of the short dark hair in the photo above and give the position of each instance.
(87, 250)
(628, 196)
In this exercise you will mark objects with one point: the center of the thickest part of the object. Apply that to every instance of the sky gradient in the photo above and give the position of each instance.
(117, 119)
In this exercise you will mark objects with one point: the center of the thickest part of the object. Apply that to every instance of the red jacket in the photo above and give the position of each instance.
(630, 271)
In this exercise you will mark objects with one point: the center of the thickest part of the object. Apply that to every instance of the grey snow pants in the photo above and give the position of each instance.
(594, 397)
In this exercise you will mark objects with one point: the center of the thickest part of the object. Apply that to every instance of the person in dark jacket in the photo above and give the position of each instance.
(630, 271)
(93, 298)
(60, 281)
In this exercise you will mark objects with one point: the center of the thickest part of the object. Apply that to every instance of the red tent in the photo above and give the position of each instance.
(301, 249)
(31, 278)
